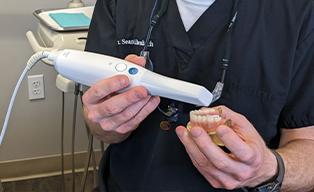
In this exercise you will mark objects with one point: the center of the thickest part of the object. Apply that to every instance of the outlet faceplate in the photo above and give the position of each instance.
(36, 87)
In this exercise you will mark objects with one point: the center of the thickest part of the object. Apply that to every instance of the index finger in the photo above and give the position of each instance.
(104, 88)
(238, 121)
(241, 137)
(237, 145)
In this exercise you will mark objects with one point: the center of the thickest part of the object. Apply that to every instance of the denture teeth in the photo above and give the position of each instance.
(208, 110)
(201, 116)
(217, 119)
(208, 119)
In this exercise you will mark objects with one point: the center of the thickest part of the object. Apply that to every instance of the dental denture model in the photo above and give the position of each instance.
(209, 119)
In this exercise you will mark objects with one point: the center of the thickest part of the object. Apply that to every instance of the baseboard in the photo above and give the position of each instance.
(43, 166)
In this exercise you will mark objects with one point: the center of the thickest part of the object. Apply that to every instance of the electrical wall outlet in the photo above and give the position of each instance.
(36, 87)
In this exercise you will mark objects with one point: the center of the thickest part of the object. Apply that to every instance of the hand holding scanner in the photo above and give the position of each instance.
(88, 68)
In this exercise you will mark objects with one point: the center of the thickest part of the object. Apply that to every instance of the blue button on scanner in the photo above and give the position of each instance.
(133, 71)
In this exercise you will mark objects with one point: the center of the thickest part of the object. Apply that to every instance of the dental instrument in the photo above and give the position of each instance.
(89, 68)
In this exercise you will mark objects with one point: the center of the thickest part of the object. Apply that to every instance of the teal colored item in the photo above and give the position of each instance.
(70, 19)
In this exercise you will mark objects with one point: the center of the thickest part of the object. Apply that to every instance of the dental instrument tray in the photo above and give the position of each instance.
(78, 16)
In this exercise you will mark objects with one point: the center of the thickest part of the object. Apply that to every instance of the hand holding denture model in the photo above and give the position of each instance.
(209, 119)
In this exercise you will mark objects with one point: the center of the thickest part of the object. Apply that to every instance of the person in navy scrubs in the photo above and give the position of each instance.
(268, 94)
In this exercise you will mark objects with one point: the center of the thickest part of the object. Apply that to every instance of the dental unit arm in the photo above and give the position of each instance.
(88, 68)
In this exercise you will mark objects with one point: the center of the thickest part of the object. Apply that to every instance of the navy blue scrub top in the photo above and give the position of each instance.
(269, 79)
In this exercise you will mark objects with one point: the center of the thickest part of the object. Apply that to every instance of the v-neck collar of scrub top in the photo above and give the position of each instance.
(202, 28)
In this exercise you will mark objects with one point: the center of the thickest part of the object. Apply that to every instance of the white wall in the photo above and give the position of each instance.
(34, 126)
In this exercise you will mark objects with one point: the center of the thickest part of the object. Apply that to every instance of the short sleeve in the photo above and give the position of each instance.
(299, 108)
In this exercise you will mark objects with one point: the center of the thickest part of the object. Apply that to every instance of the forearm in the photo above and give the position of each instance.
(298, 157)
(102, 135)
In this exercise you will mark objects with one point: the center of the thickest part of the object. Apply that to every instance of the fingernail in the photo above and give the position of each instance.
(155, 100)
(180, 133)
(195, 133)
(122, 81)
(221, 132)
(138, 95)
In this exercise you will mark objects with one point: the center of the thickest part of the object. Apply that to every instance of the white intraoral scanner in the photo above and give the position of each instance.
(88, 68)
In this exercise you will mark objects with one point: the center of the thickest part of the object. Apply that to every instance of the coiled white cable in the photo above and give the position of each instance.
(31, 62)
(35, 58)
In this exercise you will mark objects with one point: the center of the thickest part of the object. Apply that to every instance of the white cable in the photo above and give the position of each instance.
(35, 58)
(11, 104)
(31, 62)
